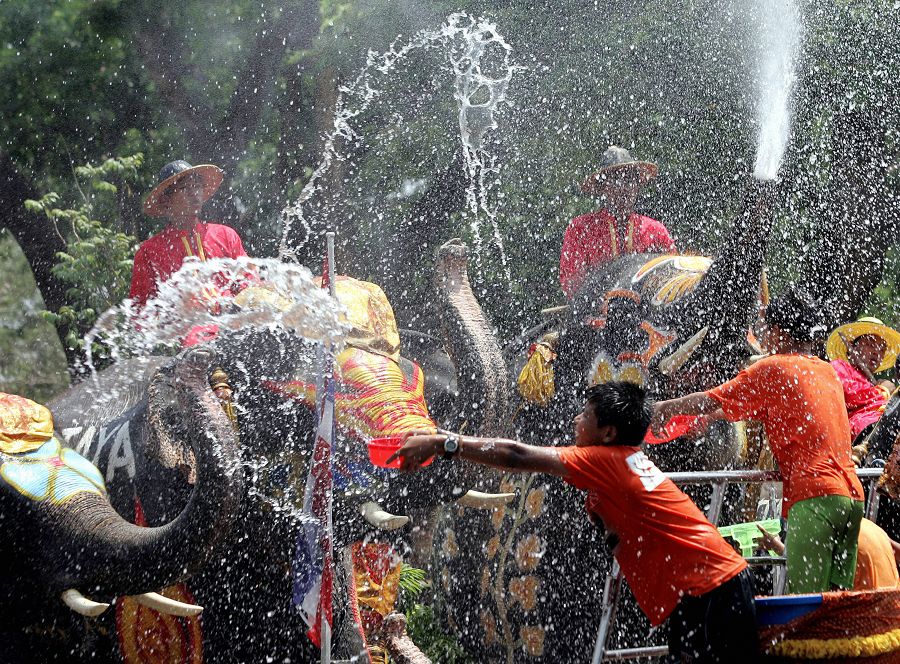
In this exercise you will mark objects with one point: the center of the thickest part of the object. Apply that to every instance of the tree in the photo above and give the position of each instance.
(97, 259)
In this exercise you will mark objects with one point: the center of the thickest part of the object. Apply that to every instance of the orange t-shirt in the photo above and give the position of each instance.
(800, 401)
(667, 548)
(876, 566)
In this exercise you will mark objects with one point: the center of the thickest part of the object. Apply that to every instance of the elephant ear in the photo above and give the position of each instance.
(166, 431)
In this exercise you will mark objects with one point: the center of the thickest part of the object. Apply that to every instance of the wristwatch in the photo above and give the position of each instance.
(451, 446)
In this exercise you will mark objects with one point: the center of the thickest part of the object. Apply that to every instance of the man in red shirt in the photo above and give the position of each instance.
(674, 559)
(800, 401)
(597, 237)
(180, 195)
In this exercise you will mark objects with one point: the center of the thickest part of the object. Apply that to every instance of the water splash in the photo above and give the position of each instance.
(286, 295)
(474, 49)
(778, 42)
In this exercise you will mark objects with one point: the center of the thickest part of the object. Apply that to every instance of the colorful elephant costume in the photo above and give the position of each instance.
(33, 462)
(378, 394)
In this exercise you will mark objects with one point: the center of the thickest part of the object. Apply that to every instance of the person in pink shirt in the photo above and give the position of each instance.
(598, 237)
(857, 352)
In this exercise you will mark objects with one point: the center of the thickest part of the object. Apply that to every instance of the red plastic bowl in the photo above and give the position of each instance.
(382, 448)
(675, 427)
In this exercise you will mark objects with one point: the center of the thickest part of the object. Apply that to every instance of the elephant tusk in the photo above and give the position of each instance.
(168, 606)
(486, 501)
(375, 515)
(672, 363)
(82, 605)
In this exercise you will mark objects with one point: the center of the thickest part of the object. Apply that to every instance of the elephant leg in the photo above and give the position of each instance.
(349, 633)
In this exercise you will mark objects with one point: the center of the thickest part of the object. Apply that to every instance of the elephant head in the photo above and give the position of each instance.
(64, 539)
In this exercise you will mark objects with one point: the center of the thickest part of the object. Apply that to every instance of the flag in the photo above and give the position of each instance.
(313, 569)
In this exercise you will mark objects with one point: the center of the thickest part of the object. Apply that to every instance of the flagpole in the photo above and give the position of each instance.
(329, 247)
(326, 628)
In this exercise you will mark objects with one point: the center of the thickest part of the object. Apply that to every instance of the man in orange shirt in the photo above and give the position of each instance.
(800, 401)
(675, 561)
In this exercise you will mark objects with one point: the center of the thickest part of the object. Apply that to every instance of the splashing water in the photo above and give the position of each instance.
(778, 41)
(472, 46)
(288, 297)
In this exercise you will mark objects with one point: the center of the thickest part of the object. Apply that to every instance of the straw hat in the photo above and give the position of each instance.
(210, 176)
(837, 350)
(613, 160)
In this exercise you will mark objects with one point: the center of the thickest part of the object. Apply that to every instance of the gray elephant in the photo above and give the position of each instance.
(527, 580)
(246, 589)
(64, 541)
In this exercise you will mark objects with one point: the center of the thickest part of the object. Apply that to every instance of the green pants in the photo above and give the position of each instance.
(822, 539)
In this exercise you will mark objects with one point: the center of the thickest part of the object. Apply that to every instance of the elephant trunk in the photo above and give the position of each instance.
(106, 554)
(725, 301)
(481, 375)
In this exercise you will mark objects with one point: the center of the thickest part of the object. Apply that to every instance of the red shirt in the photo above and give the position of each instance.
(865, 402)
(160, 256)
(800, 401)
(594, 238)
(667, 548)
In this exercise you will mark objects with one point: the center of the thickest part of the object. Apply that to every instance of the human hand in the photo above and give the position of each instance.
(858, 453)
(769, 541)
(660, 417)
(418, 447)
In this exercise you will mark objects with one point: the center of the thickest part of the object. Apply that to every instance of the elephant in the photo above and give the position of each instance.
(65, 540)
(526, 580)
(246, 588)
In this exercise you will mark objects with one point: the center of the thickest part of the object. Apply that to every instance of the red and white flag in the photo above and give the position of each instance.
(313, 569)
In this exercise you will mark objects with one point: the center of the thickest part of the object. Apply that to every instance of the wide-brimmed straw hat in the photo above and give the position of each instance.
(837, 349)
(210, 176)
(613, 160)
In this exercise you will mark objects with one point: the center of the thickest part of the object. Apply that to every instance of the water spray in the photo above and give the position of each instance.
(467, 41)
(290, 298)
(777, 27)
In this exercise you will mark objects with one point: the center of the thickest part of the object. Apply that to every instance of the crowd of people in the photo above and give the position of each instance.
(819, 417)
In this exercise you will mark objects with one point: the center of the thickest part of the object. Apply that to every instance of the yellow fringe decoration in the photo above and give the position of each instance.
(858, 646)
(536, 380)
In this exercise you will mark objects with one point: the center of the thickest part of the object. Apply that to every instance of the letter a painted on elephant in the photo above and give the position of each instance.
(121, 455)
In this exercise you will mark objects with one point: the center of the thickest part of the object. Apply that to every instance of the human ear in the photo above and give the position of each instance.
(608, 433)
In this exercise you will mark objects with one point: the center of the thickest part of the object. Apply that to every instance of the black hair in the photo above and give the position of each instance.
(623, 405)
(798, 313)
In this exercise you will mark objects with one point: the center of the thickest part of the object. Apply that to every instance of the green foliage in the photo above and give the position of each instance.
(31, 361)
(412, 580)
(431, 636)
(671, 81)
(423, 627)
(97, 261)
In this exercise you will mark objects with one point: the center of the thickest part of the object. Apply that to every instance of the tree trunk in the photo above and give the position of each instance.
(35, 235)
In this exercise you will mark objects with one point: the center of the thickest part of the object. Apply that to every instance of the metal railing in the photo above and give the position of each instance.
(719, 479)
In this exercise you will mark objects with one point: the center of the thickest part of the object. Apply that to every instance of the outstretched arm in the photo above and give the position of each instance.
(496, 452)
(698, 403)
